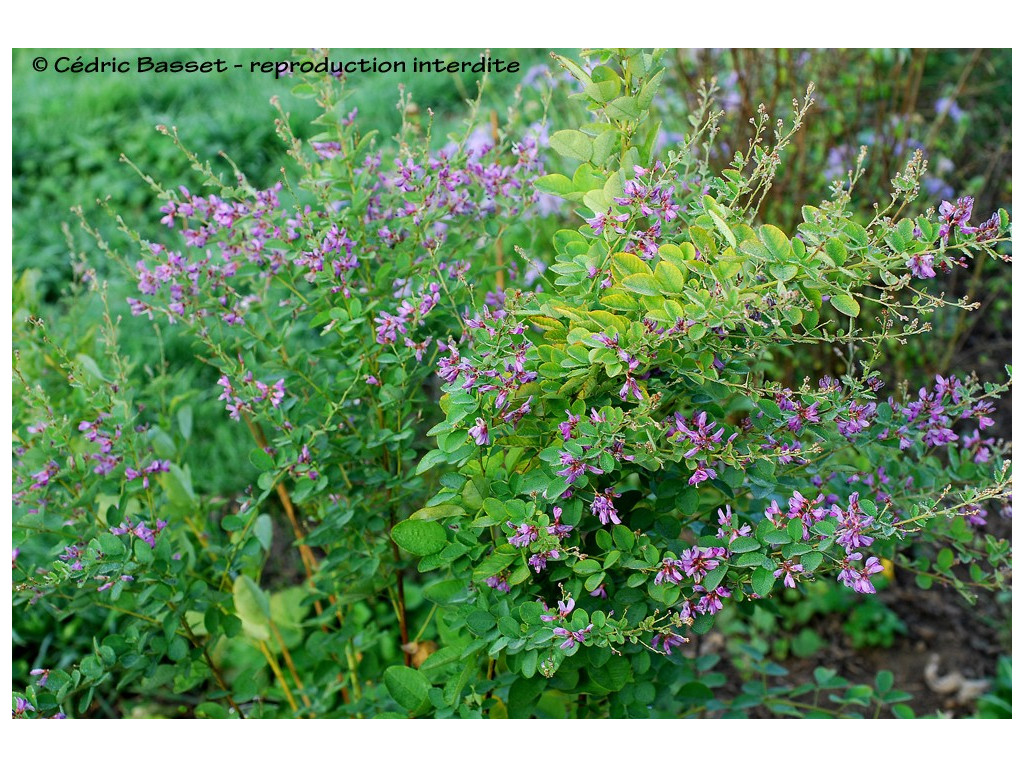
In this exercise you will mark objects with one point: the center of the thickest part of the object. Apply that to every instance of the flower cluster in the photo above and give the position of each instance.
(240, 401)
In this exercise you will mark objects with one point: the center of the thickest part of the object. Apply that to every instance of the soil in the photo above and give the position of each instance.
(966, 639)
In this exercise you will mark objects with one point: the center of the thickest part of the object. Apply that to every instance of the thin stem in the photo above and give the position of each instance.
(278, 674)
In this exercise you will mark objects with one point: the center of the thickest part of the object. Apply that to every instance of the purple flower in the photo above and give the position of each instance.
(604, 508)
(988, 229)
(618, 451)
(498, 582)
(43, 674)
(479, 432)
(631, 388)
(667, 641)
(976, 515)
(524, 534)
(388, 328)
(43, 477)
(697, 561)
(567, 426)
(955, 215)
(727, 528)
(539, 561)
(858, 419)
(326, 149)
(701, 434)
(710, 602)
(858, 579)
(572, 636)
(851, 524)
(702, 473)
(669, 571)
(575, 468)
(559, 529)
(140, 530)
(788, 570)
(21, 706)
(563, 611)
(921, 265)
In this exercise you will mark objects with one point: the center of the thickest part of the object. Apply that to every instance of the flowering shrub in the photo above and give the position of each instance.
(521, 468)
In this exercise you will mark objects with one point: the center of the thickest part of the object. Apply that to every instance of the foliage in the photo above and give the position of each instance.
(516, 468)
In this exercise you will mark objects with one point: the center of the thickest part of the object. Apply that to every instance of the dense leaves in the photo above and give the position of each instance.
(499, 466)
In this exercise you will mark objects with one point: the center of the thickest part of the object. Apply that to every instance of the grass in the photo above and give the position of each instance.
(71, 129)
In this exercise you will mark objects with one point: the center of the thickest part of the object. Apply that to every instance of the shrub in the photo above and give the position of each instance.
(518, 477)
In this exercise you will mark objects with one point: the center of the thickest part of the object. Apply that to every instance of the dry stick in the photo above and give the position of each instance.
(279, 675)
(308, 558)
(400, 588)
(213, 667)
(309, 562)
(918, 77)
(291, 665)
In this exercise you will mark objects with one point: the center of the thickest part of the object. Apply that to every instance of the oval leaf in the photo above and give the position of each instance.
(253, 608)
(408, 687)
(573, 144)
(419, 537)
(846, 304)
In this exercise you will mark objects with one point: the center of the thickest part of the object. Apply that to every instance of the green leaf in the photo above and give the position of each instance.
(185, 421)
(624, 108)
(111, 545)
(431, 459)
(263, 530)
(623, 538)
(89, 366)
(811, 560)
(944, 560)
(883, 681)
(408, 687)
(605, 84)
(625, 264)
(694, 691)
(419, 537)
(836, 251)
(777, 242)
(439, 512)
(261, 459)
(783, 272)
(903, 712)
(722, 227)
(555, 184)
(744, 544)
(572, 144)
(252, 607)
(762, 581)
(480, 622)
(613, 675)
(445, 592)
(846, 304)
(646, 95)
(584, 567)
(604, 146)
(669, 277)
(642, 284)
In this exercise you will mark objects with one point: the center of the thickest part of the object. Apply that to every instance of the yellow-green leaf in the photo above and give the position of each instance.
(846, 304)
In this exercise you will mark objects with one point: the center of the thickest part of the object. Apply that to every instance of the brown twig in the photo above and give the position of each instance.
(213, 667)
(309, 560)
(403, 627)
